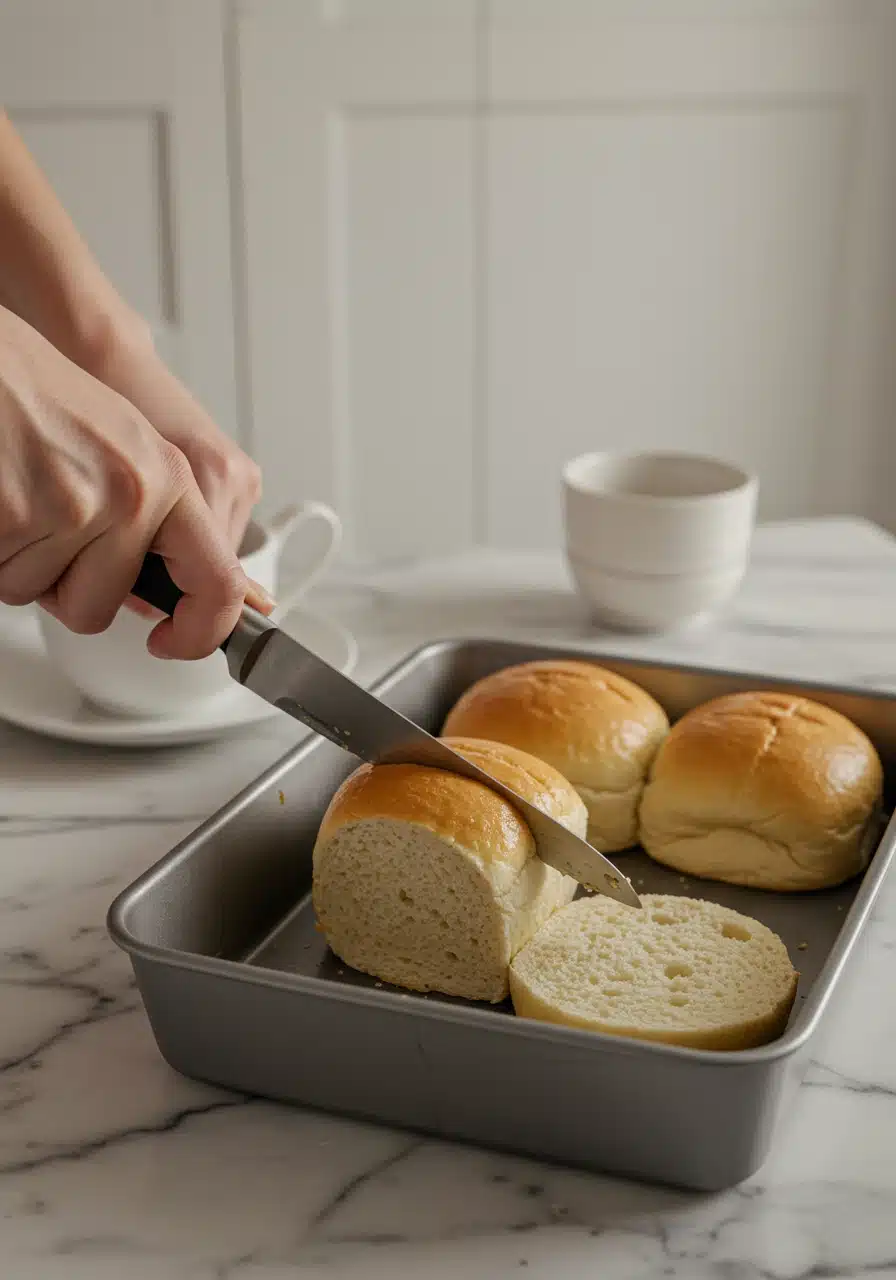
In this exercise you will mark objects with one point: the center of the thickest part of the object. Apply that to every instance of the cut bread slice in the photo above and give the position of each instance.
(431, 881)
(682, 970)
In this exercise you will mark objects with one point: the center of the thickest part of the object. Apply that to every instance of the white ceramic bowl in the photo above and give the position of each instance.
(641, 602)
(657, 541)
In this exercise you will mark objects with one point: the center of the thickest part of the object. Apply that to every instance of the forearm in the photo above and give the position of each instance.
(50, 280)
(48, 276)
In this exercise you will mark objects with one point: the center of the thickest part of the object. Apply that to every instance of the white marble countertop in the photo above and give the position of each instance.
(111, 1166)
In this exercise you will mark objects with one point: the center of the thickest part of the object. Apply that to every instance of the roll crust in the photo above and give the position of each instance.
(430, 881)
(596, 728)
(764, 789)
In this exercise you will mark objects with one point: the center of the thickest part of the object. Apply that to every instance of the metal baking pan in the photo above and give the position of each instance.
(241, 990)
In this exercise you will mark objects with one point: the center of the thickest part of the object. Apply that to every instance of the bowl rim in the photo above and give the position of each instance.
(740, 480)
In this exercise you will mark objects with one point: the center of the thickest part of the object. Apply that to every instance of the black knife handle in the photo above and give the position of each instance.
(155, 585)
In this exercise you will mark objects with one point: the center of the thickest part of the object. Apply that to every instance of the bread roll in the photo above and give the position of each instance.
(681, 971)
(430, 881)
(764, 789)
(600, 730)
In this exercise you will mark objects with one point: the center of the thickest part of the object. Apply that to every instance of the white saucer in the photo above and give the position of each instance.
(33, 695)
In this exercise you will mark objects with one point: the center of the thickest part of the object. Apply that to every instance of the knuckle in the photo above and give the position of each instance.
(75, 620)
(220, 464)
(177, 470)
(144, 473)
(87, 617)
(161, 476)
(253, 479)
(24, 579)
(17, 594)
(227, 588)
(16, 513)
(233, 585)
(237, 472)
(77, 506)
(94, 623)
(129, 490)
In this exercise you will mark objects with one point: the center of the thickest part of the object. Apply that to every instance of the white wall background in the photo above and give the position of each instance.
(417, 252)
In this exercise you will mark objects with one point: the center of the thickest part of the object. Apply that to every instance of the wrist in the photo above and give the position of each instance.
(107, 336)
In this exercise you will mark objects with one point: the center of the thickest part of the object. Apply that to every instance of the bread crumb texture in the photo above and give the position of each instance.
(429, 881)
(682, 971)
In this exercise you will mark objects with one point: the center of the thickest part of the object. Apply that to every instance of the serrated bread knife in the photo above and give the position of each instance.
(264, 659)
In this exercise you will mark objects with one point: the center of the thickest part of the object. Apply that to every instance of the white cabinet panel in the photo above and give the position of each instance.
(106, 170)
(407, 360)
(358, 159)
(123, 103)
(660, 279)
(689, 244)
(480, 237)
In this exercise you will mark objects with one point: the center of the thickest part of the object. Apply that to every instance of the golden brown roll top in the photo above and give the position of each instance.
(457, 808)
(595, 727)
(764, 789)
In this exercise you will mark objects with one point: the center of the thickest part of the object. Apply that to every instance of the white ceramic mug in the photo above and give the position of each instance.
(114, 669)
(656, 541)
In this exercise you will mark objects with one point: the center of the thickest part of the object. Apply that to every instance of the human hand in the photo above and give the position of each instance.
(87, 487)
(49, 278)
(227, 478)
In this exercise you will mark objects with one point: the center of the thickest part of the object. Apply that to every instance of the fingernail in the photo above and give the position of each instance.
(260, 598)
(155, 652)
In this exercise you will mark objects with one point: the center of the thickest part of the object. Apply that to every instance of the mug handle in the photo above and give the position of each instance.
(284, 527)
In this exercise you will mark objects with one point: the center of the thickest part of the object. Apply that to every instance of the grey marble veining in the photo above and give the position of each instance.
(112, 1167)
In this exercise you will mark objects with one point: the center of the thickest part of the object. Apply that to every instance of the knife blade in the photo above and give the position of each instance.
(279, 669)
